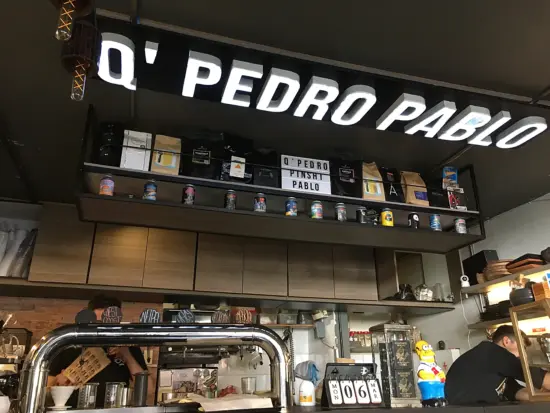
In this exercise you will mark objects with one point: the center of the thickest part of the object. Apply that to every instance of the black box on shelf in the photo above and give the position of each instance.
(345, 177)
(201, 154)
(392, 184)
(237, 158)
(438, 197)
(266, 171)
(476, 263)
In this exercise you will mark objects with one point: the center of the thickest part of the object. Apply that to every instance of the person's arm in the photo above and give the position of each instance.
(59, 380)
(522, 395)
(545, 379)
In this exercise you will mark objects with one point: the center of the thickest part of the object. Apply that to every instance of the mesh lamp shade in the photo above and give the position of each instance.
(69, 10)
(79, 55)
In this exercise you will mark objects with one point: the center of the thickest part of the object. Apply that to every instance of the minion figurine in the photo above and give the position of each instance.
(431, 378)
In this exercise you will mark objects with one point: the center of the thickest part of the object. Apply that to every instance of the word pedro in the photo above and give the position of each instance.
(474, 124)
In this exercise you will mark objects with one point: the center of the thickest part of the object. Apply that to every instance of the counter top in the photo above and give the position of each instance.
(539, 407)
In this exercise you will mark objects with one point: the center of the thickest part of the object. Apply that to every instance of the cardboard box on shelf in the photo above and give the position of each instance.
(166, 156)
(136, 152)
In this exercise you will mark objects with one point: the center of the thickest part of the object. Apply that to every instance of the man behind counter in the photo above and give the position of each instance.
(125, 361)
(487, 373)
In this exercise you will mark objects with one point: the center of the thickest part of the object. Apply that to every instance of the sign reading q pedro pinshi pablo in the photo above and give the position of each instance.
(247, 77)
(305, 174)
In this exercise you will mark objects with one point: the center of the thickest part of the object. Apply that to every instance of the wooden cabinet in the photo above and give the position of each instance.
(265, 267)
(63, 246)
(386, 273)
(354, 273)
(219, 263)
(310, 270)
(170, 259)
(118, 257)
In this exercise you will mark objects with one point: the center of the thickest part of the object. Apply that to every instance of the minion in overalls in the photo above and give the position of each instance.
(431, 378)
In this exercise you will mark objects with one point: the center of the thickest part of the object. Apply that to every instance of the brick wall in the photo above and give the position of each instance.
(41, 315)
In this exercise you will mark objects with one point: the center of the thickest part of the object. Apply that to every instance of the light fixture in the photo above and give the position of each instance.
(69, 10)
(79, 55)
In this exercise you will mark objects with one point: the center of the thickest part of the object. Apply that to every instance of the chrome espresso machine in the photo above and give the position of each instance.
(14, 345)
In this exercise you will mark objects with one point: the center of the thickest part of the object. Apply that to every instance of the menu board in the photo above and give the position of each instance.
(305, 174)
(92, 361)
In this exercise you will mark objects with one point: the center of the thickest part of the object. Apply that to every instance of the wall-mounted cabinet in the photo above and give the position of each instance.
(310, 270)
(219, 263)
(63, 246)
(118, 257)
(354, 273)
(170, 259)
(265, 267)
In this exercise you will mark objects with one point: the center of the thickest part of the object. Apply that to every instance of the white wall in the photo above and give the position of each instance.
(522, 230)
(306, 347)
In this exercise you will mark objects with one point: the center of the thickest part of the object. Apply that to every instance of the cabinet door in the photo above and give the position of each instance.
(354, 273)
(265, 267)
(170, 259)
(219, 263)
(310, 270)
(119, 255)
(63, 246)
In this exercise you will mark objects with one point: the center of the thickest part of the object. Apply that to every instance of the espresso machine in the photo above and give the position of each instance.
(14, 345)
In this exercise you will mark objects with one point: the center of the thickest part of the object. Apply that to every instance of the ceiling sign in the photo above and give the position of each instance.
(143, 57)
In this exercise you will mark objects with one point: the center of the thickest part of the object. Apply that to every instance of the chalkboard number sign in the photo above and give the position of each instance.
(374, 392)
(361, 392)
(348, 392)
(351, 385)
(335, 392)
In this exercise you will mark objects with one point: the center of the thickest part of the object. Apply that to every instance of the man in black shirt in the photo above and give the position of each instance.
(125, 361)
(488, 373)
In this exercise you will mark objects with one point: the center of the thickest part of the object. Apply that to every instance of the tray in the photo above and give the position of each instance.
(524, 268)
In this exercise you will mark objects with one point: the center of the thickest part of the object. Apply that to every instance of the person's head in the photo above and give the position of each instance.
(505, 337)
(99, 303)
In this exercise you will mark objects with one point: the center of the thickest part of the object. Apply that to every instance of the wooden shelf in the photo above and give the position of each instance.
(171, 215)
(528, 311)
(484, 325)
(94, 172)
(302, 326)
(499, 282)
(22, 288)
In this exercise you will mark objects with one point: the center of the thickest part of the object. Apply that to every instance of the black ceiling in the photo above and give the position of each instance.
(496, 45)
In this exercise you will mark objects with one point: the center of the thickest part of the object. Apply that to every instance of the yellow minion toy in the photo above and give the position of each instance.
(431, 378)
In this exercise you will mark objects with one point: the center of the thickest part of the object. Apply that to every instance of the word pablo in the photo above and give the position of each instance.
(474, 124)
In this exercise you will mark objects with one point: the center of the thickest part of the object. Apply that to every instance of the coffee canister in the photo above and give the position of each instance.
(361, 215)
(291, 207)
(340, 212)
(460, 226)
(387, 217)
(414, 220)
(150, 190)
(316, 210)
(435, 222)
(260, 203)
(107, 186)
(230, 201)
(188, 197)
